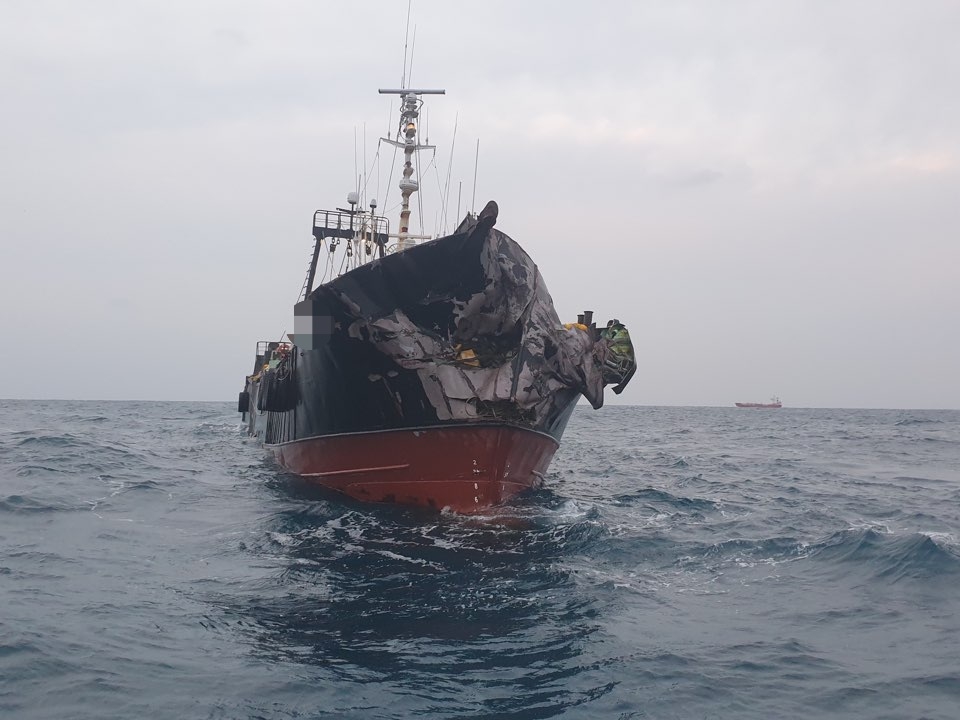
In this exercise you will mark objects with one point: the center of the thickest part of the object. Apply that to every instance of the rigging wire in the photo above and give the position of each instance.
(355, 168)
(441, 221)
(393, 165)
(420, 194)
(420, 175)
(327, 265)
(445, 194)
(373, 173)
(476, 161)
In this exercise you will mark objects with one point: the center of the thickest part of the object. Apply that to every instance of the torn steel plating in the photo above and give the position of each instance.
(522, 360)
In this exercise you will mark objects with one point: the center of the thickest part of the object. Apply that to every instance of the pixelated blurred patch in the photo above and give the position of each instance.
(311, 331)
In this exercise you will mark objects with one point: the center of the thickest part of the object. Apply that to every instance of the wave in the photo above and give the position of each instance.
(650, 495)
(217, 428)
(742, 552)
(918, 421)
(45, 455)
(86, 419)
(888, 556)
(26, 505)
(917, 479)
(41, 470)
(55, 441)
(78, 447)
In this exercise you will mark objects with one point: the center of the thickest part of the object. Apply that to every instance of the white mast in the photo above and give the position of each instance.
(410, 104)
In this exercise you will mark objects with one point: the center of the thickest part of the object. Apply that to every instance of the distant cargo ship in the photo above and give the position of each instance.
(774, 403)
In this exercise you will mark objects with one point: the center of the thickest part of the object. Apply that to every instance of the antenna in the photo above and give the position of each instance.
(413, 48)
(476, 162)
(409, 91)
(403, 79)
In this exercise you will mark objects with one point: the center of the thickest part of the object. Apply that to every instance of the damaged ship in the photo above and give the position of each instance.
(435, 374)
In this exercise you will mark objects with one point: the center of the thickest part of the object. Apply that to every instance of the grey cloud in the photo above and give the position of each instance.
(765, 192)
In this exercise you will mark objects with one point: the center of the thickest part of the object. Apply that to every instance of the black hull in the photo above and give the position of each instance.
(332, 402)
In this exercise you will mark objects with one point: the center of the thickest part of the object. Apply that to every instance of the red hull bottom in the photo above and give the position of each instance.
(461, 468)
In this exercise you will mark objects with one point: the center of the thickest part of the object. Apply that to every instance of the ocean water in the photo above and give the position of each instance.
(681, 563)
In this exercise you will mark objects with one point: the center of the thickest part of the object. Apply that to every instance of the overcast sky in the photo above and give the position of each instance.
(767, 193)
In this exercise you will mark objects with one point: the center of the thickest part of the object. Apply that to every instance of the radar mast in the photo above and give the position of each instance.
(410, 104)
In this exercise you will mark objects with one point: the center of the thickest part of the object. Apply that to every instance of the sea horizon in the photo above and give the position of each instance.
(582, 403)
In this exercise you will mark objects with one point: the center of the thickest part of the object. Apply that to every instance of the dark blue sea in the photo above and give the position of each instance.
(681, 563)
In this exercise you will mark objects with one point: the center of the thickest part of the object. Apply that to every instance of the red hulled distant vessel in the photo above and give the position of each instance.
(774, 403)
